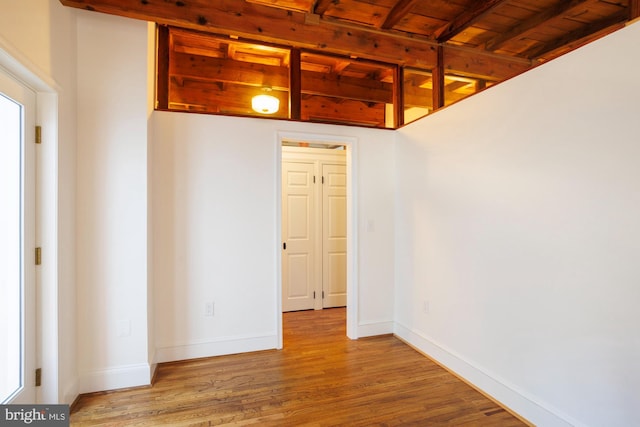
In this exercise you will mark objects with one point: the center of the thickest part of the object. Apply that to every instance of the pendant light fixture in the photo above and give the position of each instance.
(264, 103)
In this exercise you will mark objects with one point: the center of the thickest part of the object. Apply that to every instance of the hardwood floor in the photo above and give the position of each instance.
(320, 378)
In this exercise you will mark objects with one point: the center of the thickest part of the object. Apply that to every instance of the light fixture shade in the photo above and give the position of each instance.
(265, 104)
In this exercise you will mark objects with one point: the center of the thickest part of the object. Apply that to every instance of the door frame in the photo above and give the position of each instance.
(351, 146)
(47, 302)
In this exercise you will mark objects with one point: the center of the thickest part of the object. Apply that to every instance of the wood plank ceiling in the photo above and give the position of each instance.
(484, 40)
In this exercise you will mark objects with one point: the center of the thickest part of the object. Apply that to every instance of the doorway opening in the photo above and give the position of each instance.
(317, 257)
(314, 231)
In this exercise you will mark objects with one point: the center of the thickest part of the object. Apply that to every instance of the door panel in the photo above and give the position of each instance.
(298, 277)
(334, 244)
(299, 206)
(336, 289)
(298, 219)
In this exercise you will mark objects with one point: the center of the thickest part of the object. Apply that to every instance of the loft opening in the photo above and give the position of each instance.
(215, 74)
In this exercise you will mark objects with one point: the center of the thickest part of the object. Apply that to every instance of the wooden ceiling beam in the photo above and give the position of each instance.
(397, 12)
(489, 66)
(365, 90)
(322, 109)
(206, 68)
(580, 36)
(466, 19)
(272, 25)
(525, 27)
(321, 6)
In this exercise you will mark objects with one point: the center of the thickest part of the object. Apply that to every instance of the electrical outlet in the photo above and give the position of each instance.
(208, 309)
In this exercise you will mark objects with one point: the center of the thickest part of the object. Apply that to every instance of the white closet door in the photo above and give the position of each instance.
(298, 236)
(334, 235)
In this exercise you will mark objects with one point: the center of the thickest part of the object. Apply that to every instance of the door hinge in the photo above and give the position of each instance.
(314, 179)
(322, 294)
(323, 179)
(284, 246)
(314, 294)
(38, 377)
(38, 256)
(38, 134)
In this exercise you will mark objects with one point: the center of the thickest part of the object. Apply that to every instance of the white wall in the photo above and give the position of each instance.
(375, 210)
(39, 37)
(215, 205)
(112, 216)
(214, 215)
(517, 221)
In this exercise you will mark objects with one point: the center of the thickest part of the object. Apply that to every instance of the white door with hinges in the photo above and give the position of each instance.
(298, 236)
(17, 242)
(334, 235)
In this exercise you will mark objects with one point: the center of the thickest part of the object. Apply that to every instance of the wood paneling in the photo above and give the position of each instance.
(319, 378)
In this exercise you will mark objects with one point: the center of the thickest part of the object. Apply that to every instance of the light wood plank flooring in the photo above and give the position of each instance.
(320, 378)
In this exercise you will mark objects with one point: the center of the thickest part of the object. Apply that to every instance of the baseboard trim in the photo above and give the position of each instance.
(154, 373)
(525, 407)
(70, 394)
(375, 328)
(219, 347)
(118, 377)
